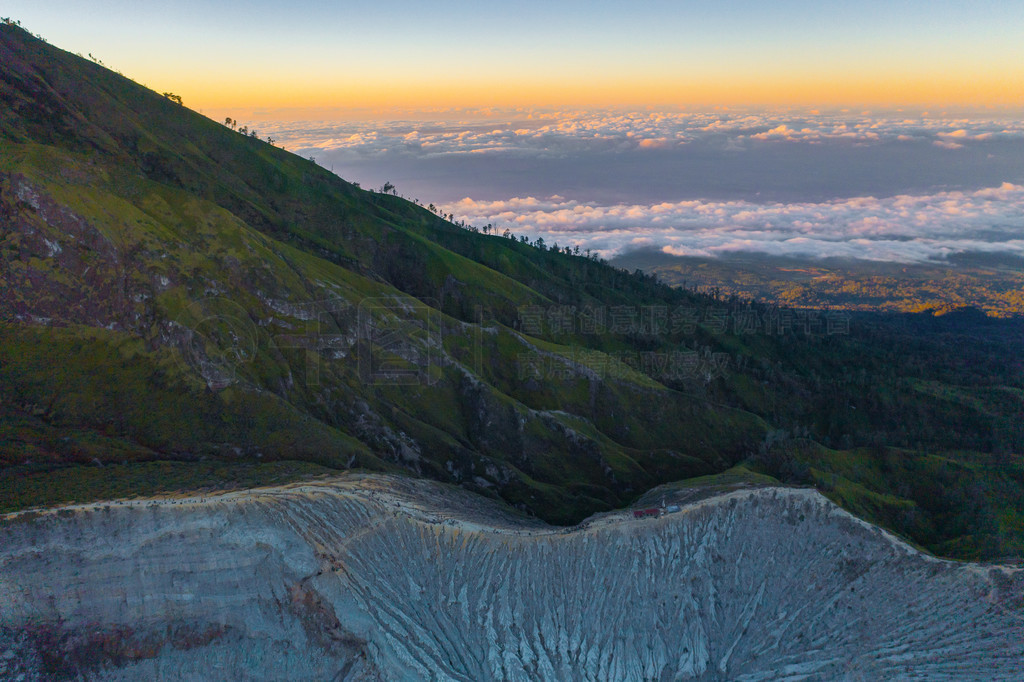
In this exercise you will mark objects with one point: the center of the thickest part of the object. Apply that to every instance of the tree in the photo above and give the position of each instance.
(174, 98)
(387, 188)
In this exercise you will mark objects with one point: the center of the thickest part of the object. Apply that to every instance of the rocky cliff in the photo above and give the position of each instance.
(373, 577)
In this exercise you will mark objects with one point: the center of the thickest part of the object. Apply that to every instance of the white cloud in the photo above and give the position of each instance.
(841, 183)
(905, 228)
(535, 130)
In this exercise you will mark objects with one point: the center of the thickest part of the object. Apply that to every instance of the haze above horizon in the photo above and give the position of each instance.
(461, 54)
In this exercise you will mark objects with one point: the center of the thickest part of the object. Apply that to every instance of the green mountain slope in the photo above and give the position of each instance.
(186, 306)
(200, 293)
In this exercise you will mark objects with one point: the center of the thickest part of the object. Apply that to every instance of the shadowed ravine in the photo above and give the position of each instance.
(364, 577)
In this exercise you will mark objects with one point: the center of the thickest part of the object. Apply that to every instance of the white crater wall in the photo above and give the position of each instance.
(371, 577)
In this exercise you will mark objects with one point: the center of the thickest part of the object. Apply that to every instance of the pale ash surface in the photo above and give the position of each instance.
(375, 577)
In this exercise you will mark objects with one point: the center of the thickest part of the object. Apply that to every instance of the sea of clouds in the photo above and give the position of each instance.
(893, 186)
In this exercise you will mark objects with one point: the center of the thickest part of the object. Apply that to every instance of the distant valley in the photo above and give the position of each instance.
(993, 284)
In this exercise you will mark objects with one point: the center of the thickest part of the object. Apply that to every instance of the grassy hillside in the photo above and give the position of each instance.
(186, 306)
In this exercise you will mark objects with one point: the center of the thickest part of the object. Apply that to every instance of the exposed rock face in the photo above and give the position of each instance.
(368, 578)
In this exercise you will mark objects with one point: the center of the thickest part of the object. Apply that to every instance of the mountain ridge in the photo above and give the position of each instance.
(186, 307)
(365, 238)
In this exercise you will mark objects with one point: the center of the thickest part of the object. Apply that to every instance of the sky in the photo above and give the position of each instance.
(368, 54)
(885, 130)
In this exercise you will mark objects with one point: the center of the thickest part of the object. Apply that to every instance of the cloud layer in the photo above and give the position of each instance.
(532, 131)
(900, 228)
(897, 186)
